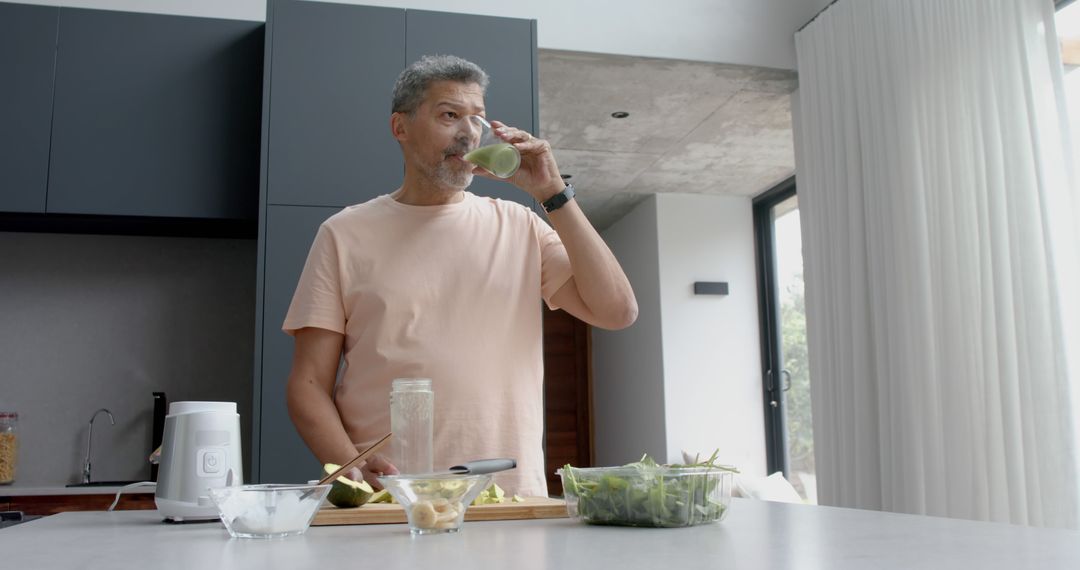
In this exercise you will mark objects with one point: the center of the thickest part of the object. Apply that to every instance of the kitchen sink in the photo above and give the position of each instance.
(102, 484)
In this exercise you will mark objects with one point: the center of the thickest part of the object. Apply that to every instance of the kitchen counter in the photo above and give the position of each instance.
(21, 491)
(756, 535)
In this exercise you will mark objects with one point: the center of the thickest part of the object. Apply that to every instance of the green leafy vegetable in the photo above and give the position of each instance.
(646, 494)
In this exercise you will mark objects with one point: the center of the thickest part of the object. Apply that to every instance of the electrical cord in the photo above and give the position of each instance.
(129, 487)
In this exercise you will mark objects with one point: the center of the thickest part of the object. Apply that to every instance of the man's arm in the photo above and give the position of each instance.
(599, 292)
(309, 396)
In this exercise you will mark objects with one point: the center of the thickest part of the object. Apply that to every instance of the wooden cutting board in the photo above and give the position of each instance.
(530, 508)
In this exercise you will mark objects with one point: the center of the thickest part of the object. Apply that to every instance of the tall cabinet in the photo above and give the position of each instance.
(326, 144)
(27, 64)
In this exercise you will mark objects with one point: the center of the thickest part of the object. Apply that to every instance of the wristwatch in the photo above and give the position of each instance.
(559, 200)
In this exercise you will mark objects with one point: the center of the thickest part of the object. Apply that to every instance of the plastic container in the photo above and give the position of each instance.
(9, 446)
(268, 511)
(412, 410)
(435, 504)
(658, 496)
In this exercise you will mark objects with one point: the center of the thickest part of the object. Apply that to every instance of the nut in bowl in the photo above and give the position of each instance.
(649, 495)
(435, 503)
(268, 511)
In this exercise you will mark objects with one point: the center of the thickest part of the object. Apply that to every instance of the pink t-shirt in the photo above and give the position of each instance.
(450, 293)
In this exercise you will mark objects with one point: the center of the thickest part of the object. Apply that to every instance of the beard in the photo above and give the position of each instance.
(450, 171)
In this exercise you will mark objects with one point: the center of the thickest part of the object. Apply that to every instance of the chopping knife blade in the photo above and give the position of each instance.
(478, 467)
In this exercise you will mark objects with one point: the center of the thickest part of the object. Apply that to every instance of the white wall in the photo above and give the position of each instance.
(712, 358)
(689, 370)
(748, 32)
(628, 368)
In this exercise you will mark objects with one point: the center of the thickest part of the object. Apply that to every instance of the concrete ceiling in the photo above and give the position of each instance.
(694, 127)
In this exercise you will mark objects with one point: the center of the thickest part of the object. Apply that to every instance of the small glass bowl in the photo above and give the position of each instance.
(435, 504)
(268, 511)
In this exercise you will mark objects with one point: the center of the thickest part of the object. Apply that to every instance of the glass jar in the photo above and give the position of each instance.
(412, 409)
(9, 446)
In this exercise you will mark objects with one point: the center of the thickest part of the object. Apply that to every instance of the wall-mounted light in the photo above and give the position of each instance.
(710, 288)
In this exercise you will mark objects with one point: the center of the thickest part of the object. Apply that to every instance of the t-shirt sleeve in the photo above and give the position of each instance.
(554, 262)
(317, 301)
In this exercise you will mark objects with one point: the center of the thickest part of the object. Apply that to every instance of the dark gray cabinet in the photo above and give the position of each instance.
(327, 142)
(290, 231)
(27, 56)
(332, 71)
(156, 116)
(505, 49)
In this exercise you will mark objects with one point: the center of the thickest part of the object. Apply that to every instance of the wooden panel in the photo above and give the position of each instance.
(52, 504)
(530, 508)
(567, 393)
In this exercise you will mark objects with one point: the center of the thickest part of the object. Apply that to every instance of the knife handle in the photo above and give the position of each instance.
(484, 466)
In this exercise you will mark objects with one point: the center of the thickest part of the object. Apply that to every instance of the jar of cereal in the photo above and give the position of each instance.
(9, 446)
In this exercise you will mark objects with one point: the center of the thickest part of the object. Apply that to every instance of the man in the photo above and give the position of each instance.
(432, 281)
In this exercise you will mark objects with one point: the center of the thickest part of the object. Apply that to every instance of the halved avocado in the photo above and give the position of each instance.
(345, 492)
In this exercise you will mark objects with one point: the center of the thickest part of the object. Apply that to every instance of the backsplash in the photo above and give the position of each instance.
(93, 321)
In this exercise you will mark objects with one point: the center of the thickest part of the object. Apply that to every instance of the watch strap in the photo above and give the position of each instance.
(559, 200)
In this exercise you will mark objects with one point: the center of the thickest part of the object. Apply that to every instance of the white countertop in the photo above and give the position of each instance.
(17, 490)
(756, 535)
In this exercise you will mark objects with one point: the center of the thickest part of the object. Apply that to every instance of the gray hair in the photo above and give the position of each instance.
(411, 85)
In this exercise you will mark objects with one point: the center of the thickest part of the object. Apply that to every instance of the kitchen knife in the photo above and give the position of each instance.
(478, 467)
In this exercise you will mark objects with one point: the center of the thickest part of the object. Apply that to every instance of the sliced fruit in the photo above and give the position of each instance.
(345, 492)
(490, 496)
(382, 496)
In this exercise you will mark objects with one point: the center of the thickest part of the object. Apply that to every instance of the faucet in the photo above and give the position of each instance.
(89, 439)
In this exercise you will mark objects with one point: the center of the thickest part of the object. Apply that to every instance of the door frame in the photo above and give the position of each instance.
(769, 324)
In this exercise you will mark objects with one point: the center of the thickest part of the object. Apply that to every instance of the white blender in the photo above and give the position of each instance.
(200, 449)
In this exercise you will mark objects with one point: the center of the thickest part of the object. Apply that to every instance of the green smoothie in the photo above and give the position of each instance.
(500, 159)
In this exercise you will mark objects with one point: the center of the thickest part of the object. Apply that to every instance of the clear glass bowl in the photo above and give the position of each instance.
(435, 503)
(652, 497)
(268, 511)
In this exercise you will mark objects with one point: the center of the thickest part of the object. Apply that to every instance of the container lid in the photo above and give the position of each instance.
(410, 384)
(177, 408)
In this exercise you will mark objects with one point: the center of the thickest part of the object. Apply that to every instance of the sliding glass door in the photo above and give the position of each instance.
(786, 376)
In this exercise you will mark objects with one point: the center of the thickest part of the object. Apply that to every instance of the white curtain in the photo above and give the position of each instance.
(938, 200)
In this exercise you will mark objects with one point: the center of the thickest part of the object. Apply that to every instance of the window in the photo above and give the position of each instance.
(786, 375)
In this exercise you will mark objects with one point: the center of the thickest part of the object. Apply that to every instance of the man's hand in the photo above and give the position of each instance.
(375, 466)
(538, 174)
(599, 292)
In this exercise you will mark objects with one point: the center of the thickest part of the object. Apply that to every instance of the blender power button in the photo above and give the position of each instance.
(211, 462)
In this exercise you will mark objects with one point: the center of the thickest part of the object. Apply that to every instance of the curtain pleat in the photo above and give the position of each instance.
(938, 197)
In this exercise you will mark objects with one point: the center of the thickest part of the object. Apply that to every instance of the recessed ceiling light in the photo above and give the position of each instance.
(620, 114)
(566, 176)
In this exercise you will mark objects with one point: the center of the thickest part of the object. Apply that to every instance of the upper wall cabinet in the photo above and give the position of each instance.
(27, 55)
(332, 72)
(506, 49)
(156, 116)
